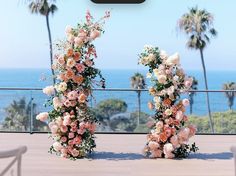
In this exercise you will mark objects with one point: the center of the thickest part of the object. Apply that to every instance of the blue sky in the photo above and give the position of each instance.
(24, 40)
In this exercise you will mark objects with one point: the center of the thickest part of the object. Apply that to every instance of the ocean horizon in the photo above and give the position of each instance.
(115, 78)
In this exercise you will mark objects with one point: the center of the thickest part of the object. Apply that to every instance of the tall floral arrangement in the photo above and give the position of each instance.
(169, 135)
(71, 121)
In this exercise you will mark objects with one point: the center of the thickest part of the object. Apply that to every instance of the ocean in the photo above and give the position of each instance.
(35, 78)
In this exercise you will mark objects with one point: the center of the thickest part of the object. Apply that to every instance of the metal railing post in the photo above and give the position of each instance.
(31, 113)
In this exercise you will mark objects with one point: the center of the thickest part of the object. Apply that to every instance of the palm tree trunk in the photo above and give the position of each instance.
(50, 47)
(139, 107)
(207, 94)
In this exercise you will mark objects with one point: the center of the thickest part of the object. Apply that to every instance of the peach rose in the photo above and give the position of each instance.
(88, 62)
(77, 140)
(70, 52)
(80, 67)
(163, 137)
(153, 145)
(95, 34)
(75, 153)
(82, 98)
(49, 90)
(78, 79)
(61, 60)
(42, 116)
(70, 63)
(64, 129)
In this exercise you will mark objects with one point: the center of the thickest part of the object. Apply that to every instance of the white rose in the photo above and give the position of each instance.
(173, 60)
(151, 57)
(49, 90)
(168, 112)
(56, 103)
(57, 146)
(163, 55)
(162, 79)
(70, 62)
(61, 87)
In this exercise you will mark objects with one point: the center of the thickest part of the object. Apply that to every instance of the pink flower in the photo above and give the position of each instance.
(168, 149)
(61, 60)
(156, 154)
(81, 131)
(64, 151)
(67, 103)
(75, 153)
(92, 128)
(188, 82)
(179, 115)
(88, 62)
(57, 146)
(71, 135)
(74, 129)
(56, 103)
(51, 124)
(49, 90)
(80, 67)
(63, 139)
(78, 41)
(183, 135)
(70, 143)
(153, 145)
(77, 140)
(192, 131)
(54, 129)
(67, 120)
(72, 95)
(82, 98)
(174, 141)
(94, 34)
(42, 116)
(159, 125)
(64, 129)
(185, 102)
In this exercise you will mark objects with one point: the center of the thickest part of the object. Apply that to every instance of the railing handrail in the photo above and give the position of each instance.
(110, 89)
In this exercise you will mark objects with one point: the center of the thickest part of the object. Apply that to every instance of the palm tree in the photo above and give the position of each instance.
(198, 26)
(138, 83)
(230, 95)
(43, 7)
(191, 94)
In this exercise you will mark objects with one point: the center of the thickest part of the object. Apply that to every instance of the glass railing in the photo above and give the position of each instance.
(118, 110)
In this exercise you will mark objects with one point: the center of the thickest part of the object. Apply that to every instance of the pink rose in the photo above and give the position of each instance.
(72, 95)
(71, 135)
(54, 129)
(75, 153)
(63, 139)
(80, 67)
(74, 129)
(78, 41)
(174, 141)
(42, 116)
(56, 103)
(57, 146)
(179, 115)
(192, 131)
(77, 140)
(168, 149)
(156, 154)
(81, 131)
(70, 143)
(159, 125)
(185, 102)
(67, 120)
(88, 62)
(61, 60)
(64, 151)
(67, 103)
(183, 135)
(94, 34)
(188, 82)
(64, 129)
(153, 145)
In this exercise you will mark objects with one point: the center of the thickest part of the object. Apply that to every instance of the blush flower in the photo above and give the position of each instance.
(42, 116)
(80, 67)
(49, 90)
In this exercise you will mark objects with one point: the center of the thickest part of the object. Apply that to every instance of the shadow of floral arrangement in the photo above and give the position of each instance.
(115, 156)
(212, 156)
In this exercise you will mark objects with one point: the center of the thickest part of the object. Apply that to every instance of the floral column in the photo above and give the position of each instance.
(169, 135)
(71, 121)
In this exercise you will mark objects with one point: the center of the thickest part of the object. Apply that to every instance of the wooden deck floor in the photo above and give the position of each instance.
(120, 155)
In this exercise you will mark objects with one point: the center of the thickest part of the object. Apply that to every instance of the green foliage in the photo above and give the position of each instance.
(107, 108)
(224, 122)
(18, 117)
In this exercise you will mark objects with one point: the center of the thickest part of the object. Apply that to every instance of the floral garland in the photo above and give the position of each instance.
(169, 135)
(71, 121)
